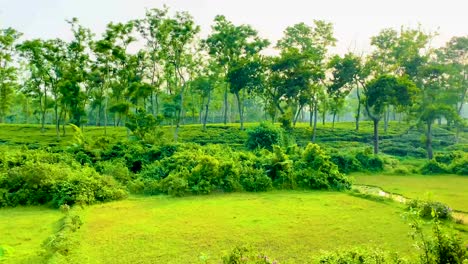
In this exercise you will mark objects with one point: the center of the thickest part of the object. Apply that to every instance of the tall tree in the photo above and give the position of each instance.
(383, 91)
(36, 85)
(244, 78)
(182, 33)
(301, 68)
(229, 43)
(8, 71)
(74, 89)
(154, 30)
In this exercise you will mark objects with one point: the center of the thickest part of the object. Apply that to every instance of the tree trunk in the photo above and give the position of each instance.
(225, 107)
(358, 114)
(44, 112)
(333, 122)
(57, 119)
(376, 135)
(241, 112)
(206, 111)
(386, 117)
(311, 114)
(314, 129)
(323, 117)
(105, 118)
(429, 140)
(296, 117)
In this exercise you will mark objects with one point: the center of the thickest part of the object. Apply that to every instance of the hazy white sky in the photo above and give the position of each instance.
(355, 21)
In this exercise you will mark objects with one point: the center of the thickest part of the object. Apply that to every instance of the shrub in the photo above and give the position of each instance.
(460, 165)
(263, 136)
(55, 179)
(315, 170)
(360, 256)
(443, 246)
(255, 180)
(242, 254)
(370, 162)
(433, 167)
(116, 169)
(176, 183)
(346, 162)
(430, 209)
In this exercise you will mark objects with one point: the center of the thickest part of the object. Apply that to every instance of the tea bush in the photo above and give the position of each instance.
(263, 136)
(434, 167)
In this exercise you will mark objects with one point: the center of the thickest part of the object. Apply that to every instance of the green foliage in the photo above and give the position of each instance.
(263, 136)
(242, 254)
(37, 177)
(430, 209)
(443, 246)
(315, 170)
(255, 180)
(370, 162)
(360, 256)
(145, 126)
(433, 167)
(60, 244)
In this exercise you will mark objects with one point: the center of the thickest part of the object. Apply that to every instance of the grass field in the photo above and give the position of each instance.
(289, 226)
(22, 231)
(292, 227)
(449, 189)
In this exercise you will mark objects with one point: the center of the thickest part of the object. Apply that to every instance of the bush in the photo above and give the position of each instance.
(175, 184)
(246, 255)
(315, 170)
(430, 209)
(433, 167)
(360, 256)
(346, 162)
(48, 178)
(263, 136)
(460, 165)
(370, 162)
(255, 180)
(116, 169)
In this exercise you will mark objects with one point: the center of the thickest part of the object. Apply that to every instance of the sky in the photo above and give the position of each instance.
(355, 21)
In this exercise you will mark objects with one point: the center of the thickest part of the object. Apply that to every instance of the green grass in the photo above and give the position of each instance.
(22, 231)
(449, 189)
(292, 227)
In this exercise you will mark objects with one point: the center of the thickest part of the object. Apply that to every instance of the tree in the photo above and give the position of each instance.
(75, 91)
(432, 100)
(154, 30)
(37, 86)
(455, 57)
(383, 91)
(400, 53)
(178, 53)
(228, 44)
(245, 77)
(300, 69)
(8, 71)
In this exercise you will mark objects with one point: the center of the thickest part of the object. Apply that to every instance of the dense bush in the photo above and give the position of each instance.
(247, 255)
(430, 209)
(31, 177)
(263, 136)
(433, 167)
(360, 256)
(459, 164)
(346, 162)
(353, 161)
(204, 169)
